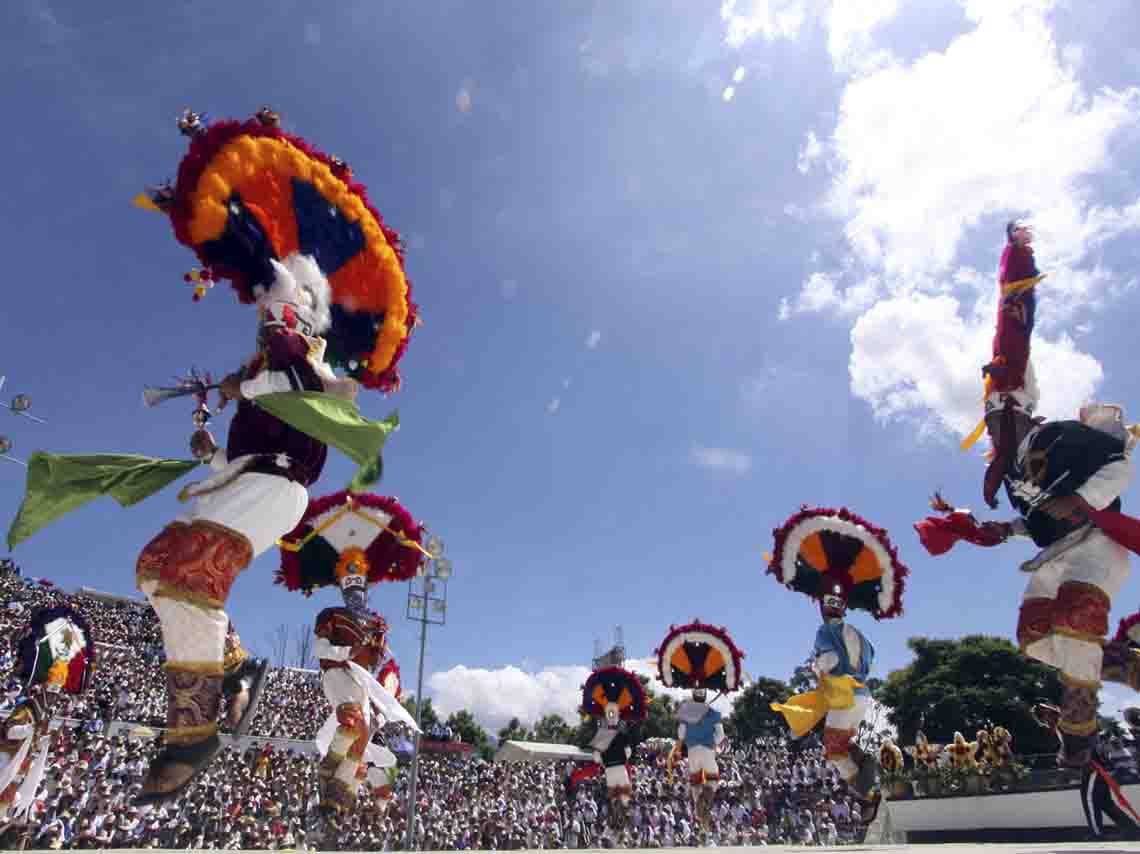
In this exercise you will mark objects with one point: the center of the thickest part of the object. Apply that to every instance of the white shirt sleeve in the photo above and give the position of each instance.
(267, 382)
(323, 649)
(1106, 485)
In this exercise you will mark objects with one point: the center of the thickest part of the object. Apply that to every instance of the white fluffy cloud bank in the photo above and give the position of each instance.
(494, 696)
(929, 158)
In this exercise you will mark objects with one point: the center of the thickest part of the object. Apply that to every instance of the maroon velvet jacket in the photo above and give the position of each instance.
(1012, 337)
(255, 431)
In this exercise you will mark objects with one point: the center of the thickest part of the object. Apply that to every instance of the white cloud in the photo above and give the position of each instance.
(721, 459)
(849, 28)
(917, 353)
(819, 293)
(593, 339)
(553, 405)
(494, 696)
(929, 158)
(728, 93)
(809, 153)
(772, 19)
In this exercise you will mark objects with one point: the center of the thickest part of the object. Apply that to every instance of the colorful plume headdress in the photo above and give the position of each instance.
(819, 549)
(699, 656)
(373, 531)
(248, 195)
(614, 685)
(57, 650)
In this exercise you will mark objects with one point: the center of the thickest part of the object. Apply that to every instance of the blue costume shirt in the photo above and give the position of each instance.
(829, 638)
(703, 732)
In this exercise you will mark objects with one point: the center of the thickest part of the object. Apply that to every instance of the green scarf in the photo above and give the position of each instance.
(60, 483)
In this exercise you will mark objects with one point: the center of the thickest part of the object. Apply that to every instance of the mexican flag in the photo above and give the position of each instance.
(64, 646)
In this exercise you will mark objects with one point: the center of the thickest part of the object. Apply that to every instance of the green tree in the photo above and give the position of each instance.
(967, 684)
(584, 733)
(470, 732)
(430, 718)
(553, 729)
(661, 718)
(515, 730)
(752, 716)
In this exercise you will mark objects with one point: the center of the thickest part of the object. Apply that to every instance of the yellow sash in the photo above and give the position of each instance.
(804, 711)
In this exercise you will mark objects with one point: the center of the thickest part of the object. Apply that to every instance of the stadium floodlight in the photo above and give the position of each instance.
(427, 604)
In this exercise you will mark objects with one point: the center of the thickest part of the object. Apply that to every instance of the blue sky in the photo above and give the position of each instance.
(659, 313)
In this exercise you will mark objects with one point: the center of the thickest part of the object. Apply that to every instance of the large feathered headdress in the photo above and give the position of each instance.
(698, 655)
(375, 532)
(820, 549)
(251, 199)
(614, 685)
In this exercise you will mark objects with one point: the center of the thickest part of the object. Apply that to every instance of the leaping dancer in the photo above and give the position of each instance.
(55, 655)
(353, 540)
(1065, 479)
(701, 658)
(842, 561)
(615, 699)
(297, 237)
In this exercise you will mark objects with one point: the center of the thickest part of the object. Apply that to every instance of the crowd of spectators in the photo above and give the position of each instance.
(266, 798)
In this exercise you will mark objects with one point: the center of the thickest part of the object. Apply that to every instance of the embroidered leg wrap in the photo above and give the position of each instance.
(837, 750)
(186, 573)
(1078, 723)
(1034, 621)
(338, 770)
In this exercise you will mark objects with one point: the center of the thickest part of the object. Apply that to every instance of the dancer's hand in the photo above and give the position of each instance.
(999, 530)
(230, 389)
(1071, 507)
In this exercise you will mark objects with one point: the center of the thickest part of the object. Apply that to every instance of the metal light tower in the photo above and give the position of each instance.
(427, 604)
(20, 405)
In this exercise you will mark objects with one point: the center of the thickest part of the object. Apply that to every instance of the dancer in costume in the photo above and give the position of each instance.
(843, 561)
(55, 655)
(352, 540)
(349, 646)
(294, 236)
(1065, 479)
(1009, 374)
(700, 657)
(613, 697)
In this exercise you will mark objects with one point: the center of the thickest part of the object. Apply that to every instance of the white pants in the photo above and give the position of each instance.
(848, 718)
(1097, 560)
(617, 777)
(261, 507)
(703, 759)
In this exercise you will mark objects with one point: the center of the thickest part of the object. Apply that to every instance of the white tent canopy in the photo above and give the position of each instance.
(533, 751)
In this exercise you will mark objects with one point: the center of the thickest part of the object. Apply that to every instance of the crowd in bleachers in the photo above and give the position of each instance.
(266, 798)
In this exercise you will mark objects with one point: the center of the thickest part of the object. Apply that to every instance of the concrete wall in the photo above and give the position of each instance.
(1056, 809)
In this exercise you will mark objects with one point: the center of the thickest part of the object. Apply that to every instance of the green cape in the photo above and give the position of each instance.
(59, 483)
